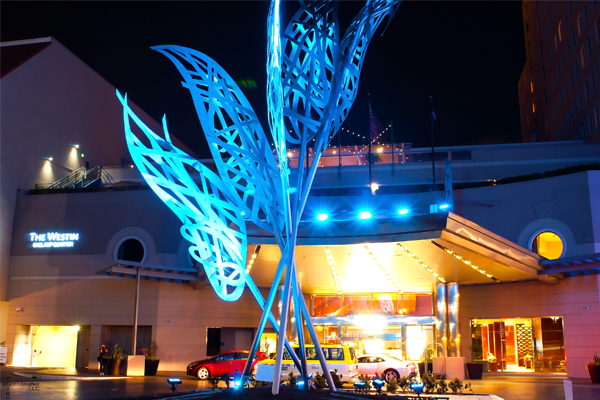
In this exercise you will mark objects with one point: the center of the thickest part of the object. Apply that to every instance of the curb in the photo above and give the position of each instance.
(68, 377)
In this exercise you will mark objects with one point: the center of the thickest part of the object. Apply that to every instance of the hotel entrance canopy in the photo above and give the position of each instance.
(382, 256)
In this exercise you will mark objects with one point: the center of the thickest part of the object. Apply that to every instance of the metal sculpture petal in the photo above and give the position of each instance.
(310, 45)
(211, 221)
(236, 139)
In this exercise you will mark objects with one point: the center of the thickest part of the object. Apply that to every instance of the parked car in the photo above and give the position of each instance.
(385, 366)
(230, 362)
(337, 356)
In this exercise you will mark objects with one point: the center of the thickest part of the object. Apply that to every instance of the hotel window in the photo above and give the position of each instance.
(548, 244)
(131, 249)
(596, 116)
(582, 56)
(579, 25)
(531, 86)
(533, 106)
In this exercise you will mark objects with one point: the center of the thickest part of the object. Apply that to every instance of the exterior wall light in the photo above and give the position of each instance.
(75, 145)
(48, 158)
(403, 211)
(322, 217)
(443, 206)
(364, 215)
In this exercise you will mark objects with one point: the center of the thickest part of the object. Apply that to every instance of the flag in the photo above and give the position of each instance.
(373, 133)
(377, 133)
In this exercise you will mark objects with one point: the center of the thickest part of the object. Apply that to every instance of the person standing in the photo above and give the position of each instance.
(103, 359)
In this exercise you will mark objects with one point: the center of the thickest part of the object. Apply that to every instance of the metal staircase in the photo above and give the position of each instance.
(79, 178)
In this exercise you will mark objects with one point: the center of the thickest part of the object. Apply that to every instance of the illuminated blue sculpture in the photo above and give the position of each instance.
(312, 83)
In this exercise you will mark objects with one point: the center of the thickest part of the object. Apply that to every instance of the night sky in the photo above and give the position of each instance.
(468, 55)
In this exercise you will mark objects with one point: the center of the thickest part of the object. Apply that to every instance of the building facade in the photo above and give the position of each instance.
(558, 88)
(519, 246)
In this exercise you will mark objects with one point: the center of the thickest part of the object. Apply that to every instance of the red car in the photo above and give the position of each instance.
(230, 362)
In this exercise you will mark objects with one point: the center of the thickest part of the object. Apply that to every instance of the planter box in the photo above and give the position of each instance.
(594, 371)
(475, 370)
(115, 367)
(151, 367)
(422, 368)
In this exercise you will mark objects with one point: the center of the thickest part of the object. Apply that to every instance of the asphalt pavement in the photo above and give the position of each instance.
(20, 383)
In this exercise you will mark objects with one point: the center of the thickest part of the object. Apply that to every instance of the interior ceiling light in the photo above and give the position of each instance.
(333, 271)
(387, 275)
(466, 262)
(253, 259)
(421, 263)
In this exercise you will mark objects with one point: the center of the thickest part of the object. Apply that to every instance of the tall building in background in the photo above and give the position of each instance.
(558, 89)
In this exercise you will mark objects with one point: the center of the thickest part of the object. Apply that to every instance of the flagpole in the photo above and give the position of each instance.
(369, 138)
(392, 126)
(432, 146)
(340, 147)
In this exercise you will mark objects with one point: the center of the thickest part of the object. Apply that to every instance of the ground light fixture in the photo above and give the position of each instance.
(417, 387)
(403, 211)
(360, 386)
(322, 217)
(237, 379)
(364, 215)
(378, 383)
(174, 382)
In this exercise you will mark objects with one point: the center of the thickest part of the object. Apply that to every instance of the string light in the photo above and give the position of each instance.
(333, 270)
(252, 259)
(466, 262)
(421, 263)
(387, 275)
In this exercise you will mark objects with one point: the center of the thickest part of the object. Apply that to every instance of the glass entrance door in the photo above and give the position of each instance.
(519, 344)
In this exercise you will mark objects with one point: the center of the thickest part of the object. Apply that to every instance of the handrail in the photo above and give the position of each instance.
(74, 178)
(435, 344)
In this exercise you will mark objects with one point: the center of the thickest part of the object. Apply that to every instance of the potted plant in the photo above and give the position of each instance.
(421, 364)
(151, 363)
(475, 370)
(115, 362)
(527, 360)
(594, 368)
(493, 362)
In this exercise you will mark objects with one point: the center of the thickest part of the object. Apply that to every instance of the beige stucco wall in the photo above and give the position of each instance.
(568, 299)
(98, 301)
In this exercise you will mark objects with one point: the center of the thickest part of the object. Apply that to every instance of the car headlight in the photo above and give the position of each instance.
(192, 365)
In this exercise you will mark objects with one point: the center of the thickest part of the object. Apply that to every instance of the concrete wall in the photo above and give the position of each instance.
(178, 314)
(568, 299)
(49, 102)
(565, 204)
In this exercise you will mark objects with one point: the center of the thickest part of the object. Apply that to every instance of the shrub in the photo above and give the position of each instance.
(429, 382)
(117, 353)
(214, 381)
(442, 386)
(293, 380)
(337, 379)
(226, 378)
(319, 381)
(392, 385)
(456, 386)
(403, 383)
(366, 380)
(595, 360)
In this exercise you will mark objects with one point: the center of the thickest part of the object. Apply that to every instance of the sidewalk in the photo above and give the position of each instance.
(82, 384)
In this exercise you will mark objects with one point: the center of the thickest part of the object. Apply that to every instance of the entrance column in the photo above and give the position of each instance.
(453, 320)
(442, 317)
